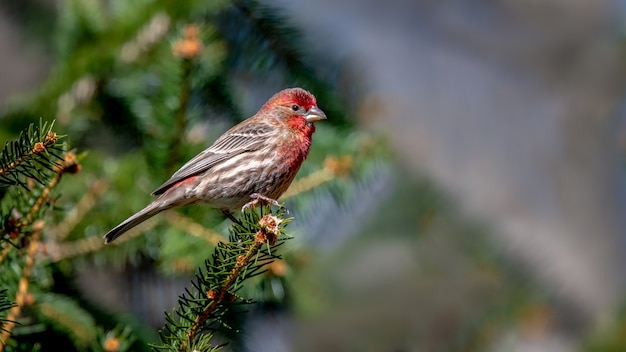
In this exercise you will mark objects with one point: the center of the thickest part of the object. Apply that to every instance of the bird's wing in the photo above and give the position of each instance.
(237, 140)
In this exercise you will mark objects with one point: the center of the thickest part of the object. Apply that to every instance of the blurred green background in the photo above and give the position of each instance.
(465, 194)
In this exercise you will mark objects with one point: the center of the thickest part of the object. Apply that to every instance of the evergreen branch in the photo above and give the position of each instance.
(34, 149)
(333, 167)
(76, 214)
(5, 305)
(22, 291)
(187, 48)
(193, 228)
(180, 118)
(209, 305)
(80, 93)
(307, 183)
(69, 161)
(5, 252)
(69, 164)
(147, 37)
(119, 339)
(58, 252)
(67, 315)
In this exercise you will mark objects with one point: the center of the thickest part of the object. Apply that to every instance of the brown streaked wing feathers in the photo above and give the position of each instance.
(237, 140)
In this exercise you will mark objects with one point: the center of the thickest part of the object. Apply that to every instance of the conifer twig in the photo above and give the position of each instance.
(308, 182)
(187, 48)
(210, 303)
(333, 167)
(88, 245)
(5, 252)
(38, 148)
(84, 205)
(220, 295)
(193, 228)
(268, 233)
(180, 118)
(22, 291)
(146, 38)
(68, 162)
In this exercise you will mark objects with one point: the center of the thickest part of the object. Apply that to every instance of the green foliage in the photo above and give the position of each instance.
(124, 92)
(210, 304)
(610, 336)
(121, 337)
(65, 315)
(5, 305)
(35, 151)
(32, 166)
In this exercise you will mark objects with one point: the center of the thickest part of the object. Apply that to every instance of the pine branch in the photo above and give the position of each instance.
(193, 228)
(69, 164)
(5, 305)
(35, 150)
(180, 118)
(119, 339)
(5, 251)
(66, 250)
(187, 48)
(210, 305)
(67, 315)
(68, 161)
(82, 207)
(333, 167)
(22, 292)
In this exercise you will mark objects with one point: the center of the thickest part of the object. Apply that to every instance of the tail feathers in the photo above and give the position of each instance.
(141, 216)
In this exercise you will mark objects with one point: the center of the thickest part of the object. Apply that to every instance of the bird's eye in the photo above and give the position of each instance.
(295, 107)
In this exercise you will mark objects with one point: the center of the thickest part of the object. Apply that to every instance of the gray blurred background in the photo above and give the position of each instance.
(514, 111)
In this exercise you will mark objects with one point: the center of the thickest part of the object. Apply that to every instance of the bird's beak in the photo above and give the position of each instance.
(314, 114)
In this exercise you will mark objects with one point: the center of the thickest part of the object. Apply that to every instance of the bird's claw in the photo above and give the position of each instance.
(258, 198)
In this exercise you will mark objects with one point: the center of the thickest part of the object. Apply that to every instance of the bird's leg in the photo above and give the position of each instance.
(257, 198)
(231, 217)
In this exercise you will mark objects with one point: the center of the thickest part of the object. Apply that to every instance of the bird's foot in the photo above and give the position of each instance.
(259, 198)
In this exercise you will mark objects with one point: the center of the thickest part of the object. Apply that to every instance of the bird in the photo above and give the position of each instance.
(254, 161)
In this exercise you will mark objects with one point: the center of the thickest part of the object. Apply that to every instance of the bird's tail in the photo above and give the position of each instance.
(139, 217)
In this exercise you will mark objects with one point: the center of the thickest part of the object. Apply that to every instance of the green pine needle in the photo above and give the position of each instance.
(210, 305)
(27, 157)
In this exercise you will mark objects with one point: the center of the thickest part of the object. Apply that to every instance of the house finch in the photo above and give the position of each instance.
(254, 161)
